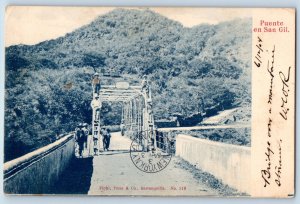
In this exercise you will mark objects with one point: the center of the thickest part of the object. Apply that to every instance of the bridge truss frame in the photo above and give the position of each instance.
(137, 113)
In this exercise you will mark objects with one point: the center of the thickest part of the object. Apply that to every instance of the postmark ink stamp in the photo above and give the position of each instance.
(146, 156)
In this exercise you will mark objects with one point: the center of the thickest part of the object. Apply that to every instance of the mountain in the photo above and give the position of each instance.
(48, 87)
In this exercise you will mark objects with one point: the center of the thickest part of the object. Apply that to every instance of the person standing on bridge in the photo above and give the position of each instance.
(77, 136)
(106, 139)
(80, 138)
(96, 83)
(103, 133)
(122, 127)
(86, 134)
(108, 136)
(96, 105)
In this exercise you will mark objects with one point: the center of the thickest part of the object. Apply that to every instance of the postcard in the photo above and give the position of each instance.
(158, 101)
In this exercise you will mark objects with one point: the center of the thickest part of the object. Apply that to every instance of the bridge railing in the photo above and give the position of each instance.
(38, 171)
(165, 143)
(210, 149)
(228, 163)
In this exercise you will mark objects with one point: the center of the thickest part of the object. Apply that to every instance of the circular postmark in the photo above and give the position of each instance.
(146, 156)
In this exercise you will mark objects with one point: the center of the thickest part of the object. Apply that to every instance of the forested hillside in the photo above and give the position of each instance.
(48, 88)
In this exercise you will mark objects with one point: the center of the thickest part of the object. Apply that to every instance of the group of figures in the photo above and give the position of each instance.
(81, 135)
(87, 141)
(88, 144)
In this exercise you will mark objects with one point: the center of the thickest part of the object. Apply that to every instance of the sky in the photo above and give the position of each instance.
(33, 24)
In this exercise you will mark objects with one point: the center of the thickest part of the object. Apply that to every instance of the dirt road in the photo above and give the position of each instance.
(115, 174)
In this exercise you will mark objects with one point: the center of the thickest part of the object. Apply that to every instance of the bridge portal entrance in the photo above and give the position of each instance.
(137, 114)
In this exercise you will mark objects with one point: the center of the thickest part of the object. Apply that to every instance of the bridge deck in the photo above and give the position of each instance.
(113, 171)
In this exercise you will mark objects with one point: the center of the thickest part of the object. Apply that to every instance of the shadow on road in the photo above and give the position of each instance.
(77, 177)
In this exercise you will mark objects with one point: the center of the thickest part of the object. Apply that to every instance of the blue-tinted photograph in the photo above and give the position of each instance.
(128, 101)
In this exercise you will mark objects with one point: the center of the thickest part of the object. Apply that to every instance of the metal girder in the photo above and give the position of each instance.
(120, 90)
(117, 98)
(112, 93)
(119, 94)
(114, 87)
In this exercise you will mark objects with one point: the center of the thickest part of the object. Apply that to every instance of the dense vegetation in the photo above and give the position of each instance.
(236, 136)
(48, 88)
